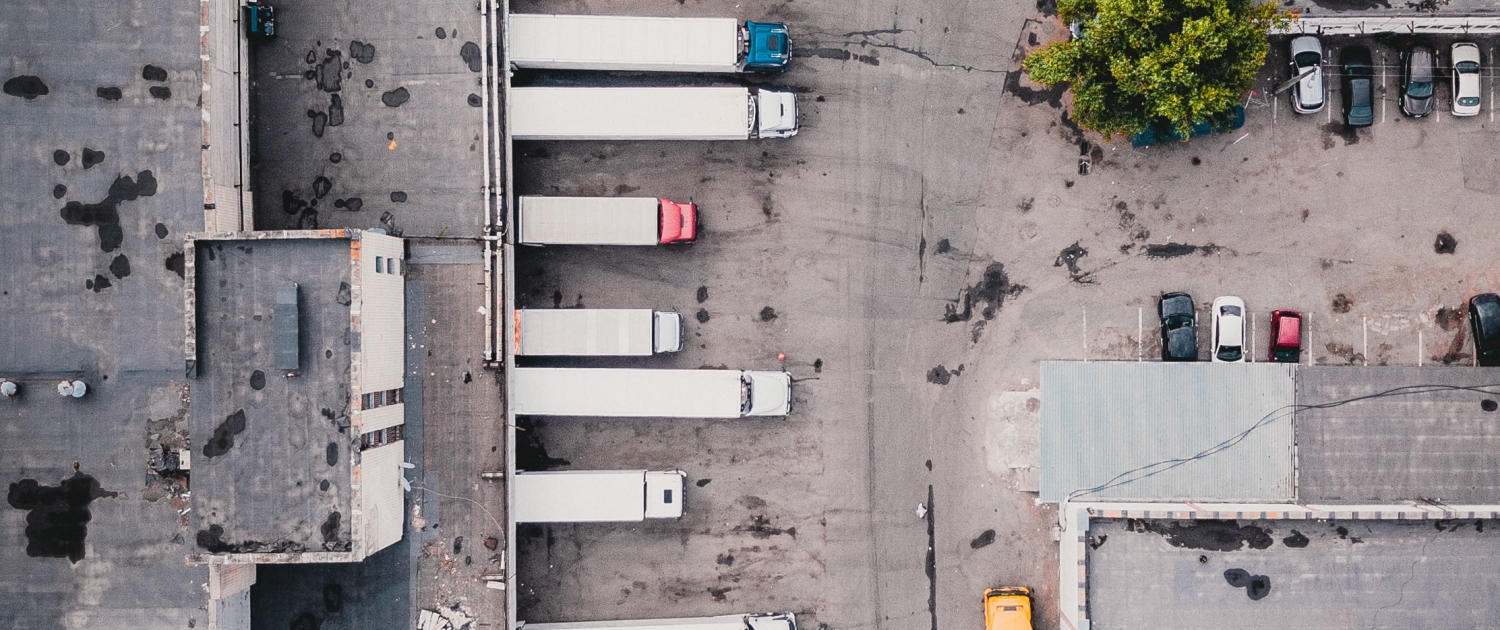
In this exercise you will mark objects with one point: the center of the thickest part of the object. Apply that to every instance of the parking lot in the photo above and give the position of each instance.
(915, 252)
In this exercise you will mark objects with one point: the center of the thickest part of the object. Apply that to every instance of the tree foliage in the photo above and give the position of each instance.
(1141, 61)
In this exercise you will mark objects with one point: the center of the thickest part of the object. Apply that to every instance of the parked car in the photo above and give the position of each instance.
(1359, 86)
(1286, 336)
(1179, 327)
(1417, 71)
(1307, 94)
(1484, 326)
(1229, 329)
(1007, 608)
(1162, 132)
(1465, 79)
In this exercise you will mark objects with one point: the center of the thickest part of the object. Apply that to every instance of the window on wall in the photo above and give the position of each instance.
(373, 400)
(382, 437)
(380, 264)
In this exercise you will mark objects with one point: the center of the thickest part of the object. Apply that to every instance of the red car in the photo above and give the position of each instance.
(1286, 336)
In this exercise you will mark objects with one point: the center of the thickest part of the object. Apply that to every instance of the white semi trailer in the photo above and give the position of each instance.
(605, 221)
(598, 496)
(651, 113)
(646, 44)
(650, 393)
(745, 621)
(596, 332)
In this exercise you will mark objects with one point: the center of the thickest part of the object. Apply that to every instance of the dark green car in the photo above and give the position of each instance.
(1162, 132)
(1359, 86)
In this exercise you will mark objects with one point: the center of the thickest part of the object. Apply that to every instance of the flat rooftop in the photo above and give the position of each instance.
(1293, 574)
(102, 178)
(1398, 433)
(271, 469)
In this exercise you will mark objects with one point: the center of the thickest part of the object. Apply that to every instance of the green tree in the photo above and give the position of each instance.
(1140, 61)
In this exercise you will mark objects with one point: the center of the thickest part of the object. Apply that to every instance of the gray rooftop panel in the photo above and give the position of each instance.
(1426, 439)
(1101, 419)
(271, 468)
(288, 328)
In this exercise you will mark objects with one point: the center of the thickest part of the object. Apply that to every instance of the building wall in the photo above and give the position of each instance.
(381, 496)
(229, 596)
(380, 303)
(225, 120)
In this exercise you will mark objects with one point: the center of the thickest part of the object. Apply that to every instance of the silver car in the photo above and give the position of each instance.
(1308, 95)
(1465, 79)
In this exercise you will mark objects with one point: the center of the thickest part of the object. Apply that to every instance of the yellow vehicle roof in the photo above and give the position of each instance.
(1007, 608)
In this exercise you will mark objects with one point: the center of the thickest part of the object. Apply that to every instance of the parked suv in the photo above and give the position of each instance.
(1308, 93)
(1417, 65)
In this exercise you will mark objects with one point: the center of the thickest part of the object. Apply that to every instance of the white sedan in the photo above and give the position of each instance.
(1465, 79)
(1229, 330)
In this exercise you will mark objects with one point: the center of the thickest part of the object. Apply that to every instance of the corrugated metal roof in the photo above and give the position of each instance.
(1101, 419)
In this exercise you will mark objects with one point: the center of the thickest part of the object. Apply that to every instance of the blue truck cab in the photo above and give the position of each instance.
(767, 47)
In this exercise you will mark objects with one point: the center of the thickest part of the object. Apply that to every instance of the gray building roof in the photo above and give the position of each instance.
(1432, 436)
(1102, 419)
(271, 458)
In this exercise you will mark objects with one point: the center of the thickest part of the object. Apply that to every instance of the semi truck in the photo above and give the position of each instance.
(605, 221)
(650, 393)
(651, 113)
(744, 621)
(647, 44)
(596, 332)
(598, 496)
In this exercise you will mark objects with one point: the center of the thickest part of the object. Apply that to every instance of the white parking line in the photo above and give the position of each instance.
(1366, 352)
(1382, 87)
(1250, 347)
(1307, 328)
(1085, 332)
(1420, 347)
(1140, 315)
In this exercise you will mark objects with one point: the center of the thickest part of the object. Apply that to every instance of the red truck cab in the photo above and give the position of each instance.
(679, 222)
(1286, 336)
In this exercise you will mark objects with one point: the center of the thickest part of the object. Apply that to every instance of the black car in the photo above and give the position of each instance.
(1359, 86)
(1179, 327)
(1417, 70)
(1484, 325)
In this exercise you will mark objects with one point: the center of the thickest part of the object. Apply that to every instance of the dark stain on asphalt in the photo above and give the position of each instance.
(1030, 96)
(1177, 250)
(1445, 243)
(257, 380)
(719, 593)
(223, 437)
(725, 560)
(702, 316)
(1208, 535)
(1070, 256)
(1025, 205)
(330, 74)
(153, 73)
(760, 527)
(470, 54)
(1342, 303)
(311, 57)
(361, 52)
(99, 283)
(335, 110)
(59, 191)
(61, 157)
(991, 291)
(941, 375)
(818, 365)
(984, 539)
(369, 83)
(1258, 588)
(331, 454)
(57, 516)
(703, 482)
(702, 294)
(474, 100)
(25, 86)
(1047, 8)
(291, 203)
(767, 314)
(319, 122)
(321, 186)
(120, 267)
(161, 92)
(1349, 134)
(398, 197)
(176, 264)
(105, 215)
(92, 158)
(943, 247)
(352, 204)
(109, 93)
(1456, 346)
(441, 33)
(1296, 541)
(838, 54)
(396, 97)
(335, 157)
(1449, 318)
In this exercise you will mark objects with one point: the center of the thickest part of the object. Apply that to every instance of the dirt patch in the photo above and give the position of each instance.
(1342, 303)
(1178, 250)
(1445, 243)
(1208, 535)
(1449, 318)
(1070, 256)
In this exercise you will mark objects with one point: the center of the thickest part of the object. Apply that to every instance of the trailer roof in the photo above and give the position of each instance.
(627, 393)
(590, 220)
(608, 42)
(630, 113)
(580, 496)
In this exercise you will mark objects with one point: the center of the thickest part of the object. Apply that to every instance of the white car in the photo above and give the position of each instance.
(1465, 79)
(1229, 330)
(1308, 93)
